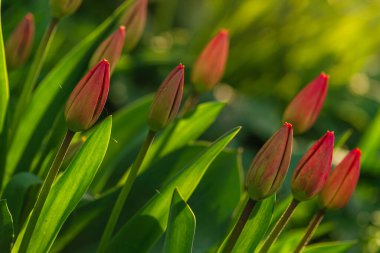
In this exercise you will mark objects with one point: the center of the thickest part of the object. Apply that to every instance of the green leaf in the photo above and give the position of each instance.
(54, 89)
(129, 135)
(330, 247)
(256, 226)
(4, 86)
(69, 188)
(181, 226)
(370, 146)
(6, 227)
(147, 226)
(16, 194)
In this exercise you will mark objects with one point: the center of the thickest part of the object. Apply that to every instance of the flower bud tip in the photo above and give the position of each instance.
(288, 125)
(357, 151)
(324, 76)
(181, 66)
(224, 32)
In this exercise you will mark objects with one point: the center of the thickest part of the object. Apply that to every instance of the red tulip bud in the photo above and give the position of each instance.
(88, 98)
(342, 182)
(270, 165)
(61, 8)
(20, 42)
(166, 103)
(304, 109)
(134, 20)
(209, 67)
(311, 173)
(110, 49)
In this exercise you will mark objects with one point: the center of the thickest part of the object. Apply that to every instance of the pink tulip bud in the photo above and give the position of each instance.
(209, 67)
(88, 98)
(270, 165)
(167, 101)
(134, 20)
(304, 109)
(342, 182)
(311, 173)
(62, 8)
(20, 42)
(110, 49)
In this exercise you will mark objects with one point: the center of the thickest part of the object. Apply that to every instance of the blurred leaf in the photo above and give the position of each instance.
(330, 247)
(147, 226)
(54, 89)
(256, 226)
(16, 192)
(181, 226)
(4, 86)
(370, 147)
(69, 188)
(6, 227)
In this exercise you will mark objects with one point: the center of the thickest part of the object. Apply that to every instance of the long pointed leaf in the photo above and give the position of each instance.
(69, 189)
(6, 227)
(181, 226)
(147, 226)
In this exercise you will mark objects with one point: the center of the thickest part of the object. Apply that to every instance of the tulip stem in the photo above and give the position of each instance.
(54, 169)
(107, 234)
(190, 102)
(234, 236)
(33, 74)
(313, 225)
(280, 225)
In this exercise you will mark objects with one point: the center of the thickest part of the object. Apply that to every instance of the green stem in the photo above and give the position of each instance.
(313, 225)
(234, 236)
(33, 74)
(45, 191)
(280, 225)
(107, 234)
(190, 103)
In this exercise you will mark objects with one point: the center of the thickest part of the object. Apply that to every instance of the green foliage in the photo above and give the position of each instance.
(4, 87)
(330, 247)
(6, 227)
(181, 226)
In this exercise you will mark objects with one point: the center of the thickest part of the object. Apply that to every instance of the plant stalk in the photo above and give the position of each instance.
(54, 169)
(234, 236)
(280, 225)
(107, 234)
(313, 225)
(33, 74)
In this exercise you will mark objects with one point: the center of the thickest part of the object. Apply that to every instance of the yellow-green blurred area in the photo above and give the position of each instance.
(276, 48)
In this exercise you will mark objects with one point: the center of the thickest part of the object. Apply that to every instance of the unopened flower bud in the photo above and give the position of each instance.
(134, 20)
(342, 182)
(62, 8)
(88, 98)
(167, 101)
(110, 49)
(304, 109)
(311, 173)
(270, 165)
(20, 42)
(209, 68)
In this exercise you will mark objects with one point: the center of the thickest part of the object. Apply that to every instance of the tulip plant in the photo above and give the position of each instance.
(76, 176)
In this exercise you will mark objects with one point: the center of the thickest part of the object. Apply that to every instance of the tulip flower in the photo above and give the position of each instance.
(311, 173)
(209, 67)
(110, 49)
(269, 167)
(134, 20)
(88, 98)
(20, 42)
(342, 182)
(304, 109)
(167, 101)
(62, 8)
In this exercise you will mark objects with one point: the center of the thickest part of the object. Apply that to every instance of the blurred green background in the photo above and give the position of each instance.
(276, 48)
